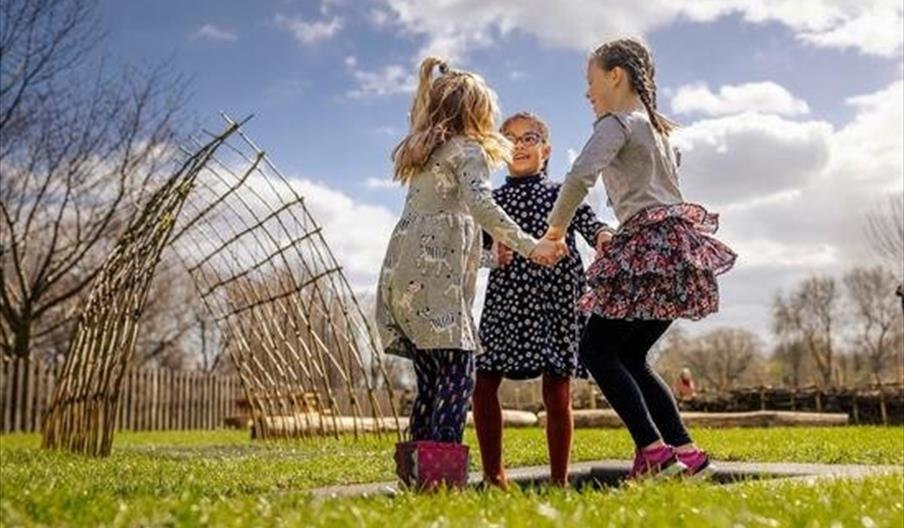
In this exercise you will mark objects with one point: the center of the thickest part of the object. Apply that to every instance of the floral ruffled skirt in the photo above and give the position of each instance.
(661, 264)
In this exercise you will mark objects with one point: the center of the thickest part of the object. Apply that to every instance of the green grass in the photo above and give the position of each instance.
(223, 477)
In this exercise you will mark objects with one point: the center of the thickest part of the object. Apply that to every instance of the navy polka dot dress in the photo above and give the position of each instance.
(531, 323)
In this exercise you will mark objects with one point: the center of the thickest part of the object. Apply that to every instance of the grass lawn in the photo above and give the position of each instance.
(223, 478)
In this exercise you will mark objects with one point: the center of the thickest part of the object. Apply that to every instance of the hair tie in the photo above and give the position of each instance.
(443, 68)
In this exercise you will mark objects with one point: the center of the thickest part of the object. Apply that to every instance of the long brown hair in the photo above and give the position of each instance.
(636, 60)
(457, 103)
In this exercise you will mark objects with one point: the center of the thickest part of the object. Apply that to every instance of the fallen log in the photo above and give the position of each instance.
(606, 418)
(310, 424)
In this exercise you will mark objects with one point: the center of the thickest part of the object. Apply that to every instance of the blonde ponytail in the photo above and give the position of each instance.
(421, 103)
(457, 103)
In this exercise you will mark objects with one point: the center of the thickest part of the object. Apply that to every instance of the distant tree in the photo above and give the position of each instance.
(876, 318)
(78, 147)
(808, 315)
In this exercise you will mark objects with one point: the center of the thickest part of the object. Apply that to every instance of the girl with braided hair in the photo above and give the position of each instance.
(660, 265)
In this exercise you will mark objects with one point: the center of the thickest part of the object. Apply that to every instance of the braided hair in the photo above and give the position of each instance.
(636, 60)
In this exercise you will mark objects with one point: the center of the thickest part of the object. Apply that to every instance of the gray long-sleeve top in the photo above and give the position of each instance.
(638, 166)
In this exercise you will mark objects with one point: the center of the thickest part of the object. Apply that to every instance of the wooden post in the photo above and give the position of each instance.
(145, 395)
(40, 391)
(192, 401)
(883, 410)
(170, 394)
(133, 403)
(5, 401)
(209, 402)
(19, 419)
(183, 395)
(152, 415)
(855, 411)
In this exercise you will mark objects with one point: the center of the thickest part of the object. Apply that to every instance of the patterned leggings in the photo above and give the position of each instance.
(445, 381)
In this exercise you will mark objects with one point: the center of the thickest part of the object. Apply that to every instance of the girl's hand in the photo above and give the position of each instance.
(554, 233)
(602, 239)
(549, 252)
(504, 254)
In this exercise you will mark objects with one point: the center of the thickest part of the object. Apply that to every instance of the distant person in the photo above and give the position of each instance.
(684, 385)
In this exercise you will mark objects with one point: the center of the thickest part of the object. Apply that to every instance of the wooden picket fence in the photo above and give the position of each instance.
(152, 399)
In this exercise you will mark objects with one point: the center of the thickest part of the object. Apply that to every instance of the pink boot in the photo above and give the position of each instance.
(427, 465)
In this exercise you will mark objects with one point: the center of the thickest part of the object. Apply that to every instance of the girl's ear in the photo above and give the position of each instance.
(546, 151)
(618, 76)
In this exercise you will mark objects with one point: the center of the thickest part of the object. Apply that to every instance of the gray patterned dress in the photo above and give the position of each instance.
(429, 275)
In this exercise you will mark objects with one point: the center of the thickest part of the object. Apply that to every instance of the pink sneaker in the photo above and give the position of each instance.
(697, 462)
(658, 462)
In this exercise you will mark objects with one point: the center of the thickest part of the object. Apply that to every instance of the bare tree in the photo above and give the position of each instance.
(876, 316)
(175, 331)
(722, 357)
(885, 233)
(78, 147)
(791, 358)
(809, 315)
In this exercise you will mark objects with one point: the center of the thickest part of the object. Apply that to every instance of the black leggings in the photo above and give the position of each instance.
(615, 352)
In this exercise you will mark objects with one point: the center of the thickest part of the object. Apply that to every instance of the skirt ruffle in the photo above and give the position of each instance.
(661, 264)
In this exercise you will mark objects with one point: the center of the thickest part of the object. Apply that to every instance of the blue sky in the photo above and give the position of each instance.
(789, 107)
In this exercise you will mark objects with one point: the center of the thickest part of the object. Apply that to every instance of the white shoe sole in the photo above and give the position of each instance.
(704, 473)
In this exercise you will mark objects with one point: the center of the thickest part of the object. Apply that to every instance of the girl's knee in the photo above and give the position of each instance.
(556, 392)
(487, 382)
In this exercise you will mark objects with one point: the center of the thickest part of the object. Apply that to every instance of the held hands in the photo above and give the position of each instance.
(602, 239)
(504, 254)
(549, 252)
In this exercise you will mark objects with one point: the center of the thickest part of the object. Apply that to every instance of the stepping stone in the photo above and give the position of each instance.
(610, 473)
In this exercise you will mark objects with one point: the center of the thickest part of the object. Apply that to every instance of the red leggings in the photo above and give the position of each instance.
(488, 422)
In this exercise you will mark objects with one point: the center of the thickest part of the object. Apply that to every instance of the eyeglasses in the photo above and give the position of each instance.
(530, 139)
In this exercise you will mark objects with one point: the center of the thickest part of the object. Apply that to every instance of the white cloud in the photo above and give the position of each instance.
(572, 155)
(380, 183)
(306, 32)
(767, 97)
(793, 196)
(213, 32)
(876, 31)
(868, 150)
(454, 27)
(358, 232)
(391, 80)
(379, 17)
(736, 158)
